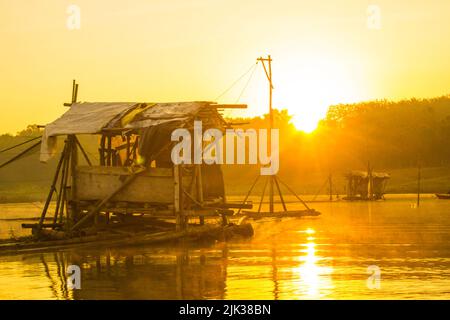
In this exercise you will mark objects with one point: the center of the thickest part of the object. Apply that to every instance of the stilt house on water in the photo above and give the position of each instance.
(135, 184)
(363, 185)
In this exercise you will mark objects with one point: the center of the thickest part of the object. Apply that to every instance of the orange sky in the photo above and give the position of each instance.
(177, 50)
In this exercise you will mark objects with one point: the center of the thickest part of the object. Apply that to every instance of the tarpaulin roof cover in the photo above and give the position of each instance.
(87, 117)
(93, 117)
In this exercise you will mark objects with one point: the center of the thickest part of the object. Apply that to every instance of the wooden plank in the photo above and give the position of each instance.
(176, 195)
(198, 179)
(123, 184)
(123, 171)
(198, 232)
(229, 106)
(95, 183)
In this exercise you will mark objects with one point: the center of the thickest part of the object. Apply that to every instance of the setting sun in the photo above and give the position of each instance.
(307, 89)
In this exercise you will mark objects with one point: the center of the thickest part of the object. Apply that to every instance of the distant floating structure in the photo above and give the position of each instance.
(366, 185)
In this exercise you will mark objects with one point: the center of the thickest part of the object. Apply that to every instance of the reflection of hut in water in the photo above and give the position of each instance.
(152, 275)
(363, 185)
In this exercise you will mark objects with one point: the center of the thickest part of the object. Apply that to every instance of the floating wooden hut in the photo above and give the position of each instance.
(366, 185)
(131, 192)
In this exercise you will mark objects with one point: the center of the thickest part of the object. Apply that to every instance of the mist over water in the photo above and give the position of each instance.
(311, 258)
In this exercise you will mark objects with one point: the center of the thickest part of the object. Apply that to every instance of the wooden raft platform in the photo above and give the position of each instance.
(192, 233)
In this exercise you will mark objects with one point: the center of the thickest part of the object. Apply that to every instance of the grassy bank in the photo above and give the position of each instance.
(238, 182)
(433, 180)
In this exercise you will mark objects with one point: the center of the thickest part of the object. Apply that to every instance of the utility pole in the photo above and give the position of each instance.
(273, 180)
(268, 71)
(418, 182)
(330, 184)
(370, 181)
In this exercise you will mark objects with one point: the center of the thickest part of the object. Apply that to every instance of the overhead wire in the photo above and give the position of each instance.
(236, 81)
(247, 83)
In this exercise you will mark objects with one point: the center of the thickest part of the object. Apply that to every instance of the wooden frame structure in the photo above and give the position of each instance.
(123, 190)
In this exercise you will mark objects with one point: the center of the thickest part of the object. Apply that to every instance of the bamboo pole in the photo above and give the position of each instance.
(109, 151)
(177, 197)
(292, 191)
(73, 218)
(262, 195)
(52, 187)
(199, 184)
(280, 193)
(21, 154)
(62, 185)
(20, 144)
(249, 192)
(83, 151)
(64, 203)
(330, 183)
(102, 150)
(418, 183)
(268, 72)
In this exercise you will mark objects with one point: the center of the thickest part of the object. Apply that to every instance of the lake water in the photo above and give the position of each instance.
(328, 257)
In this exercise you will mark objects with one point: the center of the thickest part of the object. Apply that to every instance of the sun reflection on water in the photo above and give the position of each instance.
(313, 280)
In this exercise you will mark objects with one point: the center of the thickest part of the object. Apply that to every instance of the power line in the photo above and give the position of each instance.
(236, 81)
(248, 82)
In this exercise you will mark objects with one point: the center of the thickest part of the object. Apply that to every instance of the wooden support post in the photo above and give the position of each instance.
(418, 183)
(198, 177)
(128, 150)
(102, 150)
(74, 97)
(177, 197)
(183, 219)
(73, 214)
(249, 192)
(280, 193)
(109, 152)
(263, 193)
(268, 72)
(83, 151)
(292, 191)
(60, 202)
(370, 182)
(136, 144)
(330, 183)
(52, 187)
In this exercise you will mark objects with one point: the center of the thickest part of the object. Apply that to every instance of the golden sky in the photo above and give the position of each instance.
(180, 50)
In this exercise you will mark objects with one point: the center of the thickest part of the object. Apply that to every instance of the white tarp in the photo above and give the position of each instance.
(81, 118)
(92, 117)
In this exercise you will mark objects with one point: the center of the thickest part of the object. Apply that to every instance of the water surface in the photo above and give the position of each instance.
(311, 258)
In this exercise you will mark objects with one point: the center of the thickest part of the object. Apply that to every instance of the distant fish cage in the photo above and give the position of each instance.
(363, 185)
